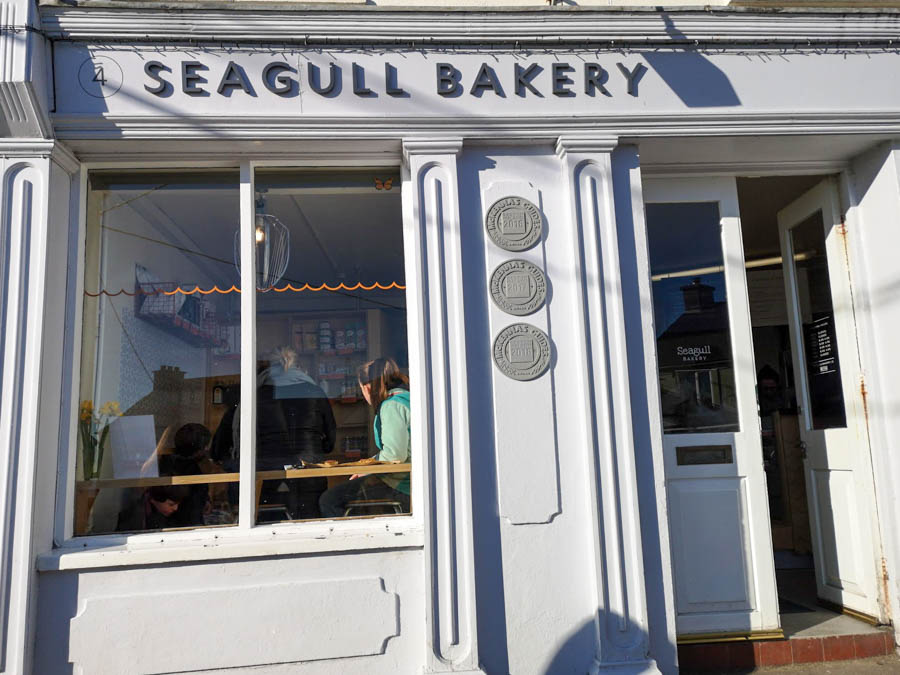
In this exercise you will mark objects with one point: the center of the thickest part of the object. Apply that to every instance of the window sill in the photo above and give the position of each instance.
(232, 543)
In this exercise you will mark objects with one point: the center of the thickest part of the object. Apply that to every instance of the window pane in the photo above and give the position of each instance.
(696, 370)
(160, 353)
(823, 368)
(330, 298)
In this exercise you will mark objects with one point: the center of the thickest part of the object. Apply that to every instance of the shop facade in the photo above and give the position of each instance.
(636, 264)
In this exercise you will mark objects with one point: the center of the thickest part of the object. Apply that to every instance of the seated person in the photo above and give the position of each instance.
(191, 458)
(386, 389)
(155, 510)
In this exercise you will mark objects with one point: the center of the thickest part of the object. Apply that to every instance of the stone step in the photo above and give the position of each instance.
(724, 656)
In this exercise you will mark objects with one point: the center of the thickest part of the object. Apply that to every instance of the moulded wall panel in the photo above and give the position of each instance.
(238, 614)
(712, 572)
(268, 623)
(835, 498)
(524, 429)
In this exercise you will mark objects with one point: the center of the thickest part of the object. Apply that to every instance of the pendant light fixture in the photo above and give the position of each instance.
(272, 244)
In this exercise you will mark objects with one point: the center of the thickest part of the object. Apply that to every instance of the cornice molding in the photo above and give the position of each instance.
(65, 158)
(511, 29)
(26, 147)
(37, 148)
(585, 144)
(435, 129)
(433, 146)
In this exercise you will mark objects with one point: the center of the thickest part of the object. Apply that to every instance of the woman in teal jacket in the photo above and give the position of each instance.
(386, 389)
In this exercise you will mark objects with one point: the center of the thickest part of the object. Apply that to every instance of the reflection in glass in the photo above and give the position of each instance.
(696, 370)
(160, 353)
(334, 300)
(823, 368)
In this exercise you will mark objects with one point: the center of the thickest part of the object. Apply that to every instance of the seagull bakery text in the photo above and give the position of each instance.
(195, 78)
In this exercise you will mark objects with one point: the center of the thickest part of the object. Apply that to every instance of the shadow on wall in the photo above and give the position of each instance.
(697, 81)
(571, 653)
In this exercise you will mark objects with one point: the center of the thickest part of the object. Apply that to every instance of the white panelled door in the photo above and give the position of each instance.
(717, 501)
(835, 446)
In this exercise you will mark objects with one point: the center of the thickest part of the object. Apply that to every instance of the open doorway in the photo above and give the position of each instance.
(801, 380)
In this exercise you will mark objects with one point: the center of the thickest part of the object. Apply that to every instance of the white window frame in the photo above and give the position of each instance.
(245, 539)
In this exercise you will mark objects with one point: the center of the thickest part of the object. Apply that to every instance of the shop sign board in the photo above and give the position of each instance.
(269, 81)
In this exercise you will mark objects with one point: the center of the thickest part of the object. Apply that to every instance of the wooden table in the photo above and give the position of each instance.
(205, 478)
(90, 488)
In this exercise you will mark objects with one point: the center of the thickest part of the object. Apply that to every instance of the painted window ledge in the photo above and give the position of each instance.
(231, 543)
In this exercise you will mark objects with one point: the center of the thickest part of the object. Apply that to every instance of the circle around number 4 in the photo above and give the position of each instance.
(100, 76)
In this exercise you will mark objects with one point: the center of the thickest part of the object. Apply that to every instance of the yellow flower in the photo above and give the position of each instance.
(86, 410)
(110, 409)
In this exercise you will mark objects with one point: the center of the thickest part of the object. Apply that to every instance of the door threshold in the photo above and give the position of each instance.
(735, 636)
(840, 609)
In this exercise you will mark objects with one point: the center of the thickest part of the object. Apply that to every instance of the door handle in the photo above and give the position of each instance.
(802, 446)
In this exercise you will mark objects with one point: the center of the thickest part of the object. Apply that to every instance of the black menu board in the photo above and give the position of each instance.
(823, 373)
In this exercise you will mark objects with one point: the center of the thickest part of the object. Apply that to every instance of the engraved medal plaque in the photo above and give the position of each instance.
(514, 224)
(522, 352)
(518, 287)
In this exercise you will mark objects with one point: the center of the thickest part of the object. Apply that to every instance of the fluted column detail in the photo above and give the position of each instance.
(440, 404)
(621, 618)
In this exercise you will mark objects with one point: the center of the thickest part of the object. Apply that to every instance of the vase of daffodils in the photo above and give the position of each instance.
(93, 428)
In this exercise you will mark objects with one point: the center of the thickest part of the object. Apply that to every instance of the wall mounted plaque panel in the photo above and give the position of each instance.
(522, 352)
(526, 439)
(518, 287)
(514, 224)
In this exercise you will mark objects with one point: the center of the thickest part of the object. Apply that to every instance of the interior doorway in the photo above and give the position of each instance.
(806, 370)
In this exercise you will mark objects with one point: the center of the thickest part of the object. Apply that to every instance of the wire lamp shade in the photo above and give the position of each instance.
(273, 250)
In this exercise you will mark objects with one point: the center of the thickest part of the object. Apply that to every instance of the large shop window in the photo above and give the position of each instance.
(696, 369)
(158, 431)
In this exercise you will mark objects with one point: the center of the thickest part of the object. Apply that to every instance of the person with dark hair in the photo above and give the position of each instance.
(386, 389)
(191, 452)
(155, 510)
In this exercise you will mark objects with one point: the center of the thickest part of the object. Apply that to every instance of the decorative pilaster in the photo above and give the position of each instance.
(25, 174)
(621, 619)
(440, 403)
(23, 71)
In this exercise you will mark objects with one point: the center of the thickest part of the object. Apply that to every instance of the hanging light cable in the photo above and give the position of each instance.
(272, 245)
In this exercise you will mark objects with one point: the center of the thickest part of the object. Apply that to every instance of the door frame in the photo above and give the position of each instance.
(762, 618)
(825, 197)
(850, 201)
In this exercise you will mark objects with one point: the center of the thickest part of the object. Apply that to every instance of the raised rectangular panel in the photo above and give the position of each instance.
(709, 525)
(230, 628)
(841, 546)
(524, 429)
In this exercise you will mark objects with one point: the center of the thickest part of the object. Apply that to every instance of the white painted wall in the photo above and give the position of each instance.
(872, 193)
(269, 611)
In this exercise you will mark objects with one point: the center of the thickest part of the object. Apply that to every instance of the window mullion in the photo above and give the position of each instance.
(247, 509)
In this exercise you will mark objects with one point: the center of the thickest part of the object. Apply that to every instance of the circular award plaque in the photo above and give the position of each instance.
(518, 287)
(514, 224)
(522, 351)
